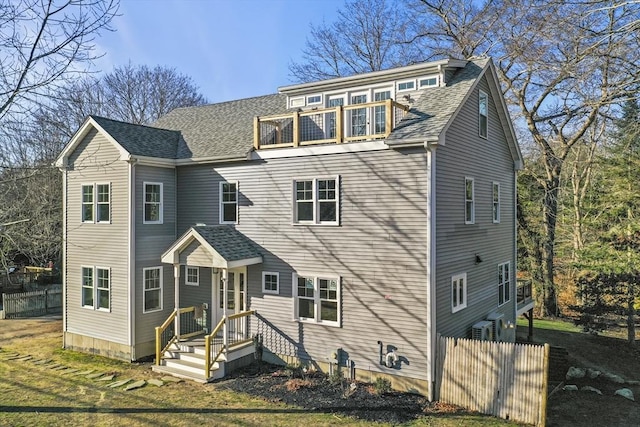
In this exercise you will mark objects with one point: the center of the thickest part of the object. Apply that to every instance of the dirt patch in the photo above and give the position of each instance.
(316, 392)
(603, 353)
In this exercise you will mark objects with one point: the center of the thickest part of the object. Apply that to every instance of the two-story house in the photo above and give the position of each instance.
(343, 223)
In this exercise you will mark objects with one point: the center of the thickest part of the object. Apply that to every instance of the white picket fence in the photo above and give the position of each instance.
(503, 379)
(31, 304)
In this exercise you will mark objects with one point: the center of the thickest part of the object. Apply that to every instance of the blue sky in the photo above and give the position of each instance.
(230, 48)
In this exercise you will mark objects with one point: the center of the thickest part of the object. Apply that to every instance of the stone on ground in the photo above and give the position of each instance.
(570, 387)
(135, 385)
(574, 373)
(626, 393)
(591, 389)
(155, 382)
(613, 378)
(118, 383)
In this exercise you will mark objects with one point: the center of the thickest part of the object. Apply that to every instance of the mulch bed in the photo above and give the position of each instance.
(317, 392)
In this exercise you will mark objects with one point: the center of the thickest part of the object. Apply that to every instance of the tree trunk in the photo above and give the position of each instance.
(550, 211)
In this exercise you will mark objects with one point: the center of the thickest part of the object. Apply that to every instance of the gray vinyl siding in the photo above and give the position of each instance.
(196, 295)
(151, 242)
(486, 161)
(96, 160)
(378, 251)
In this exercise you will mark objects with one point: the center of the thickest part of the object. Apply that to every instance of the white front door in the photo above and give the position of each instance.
(235, 295)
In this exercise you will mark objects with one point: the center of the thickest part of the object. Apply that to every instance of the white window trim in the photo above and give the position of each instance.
(270, 291)
(505, 284)
(83, 203)
(96, 299)
(144, 203)
(483, 94)
(95, 198)
(403, 82)
(316, 299)
(221, 203)
(94, 203)
(319, 102)
(495, 213)
(186, 276)
(316, 202)
(463, 304)
(472, 200)
(421, 79)
(144, 291)
(93, 286)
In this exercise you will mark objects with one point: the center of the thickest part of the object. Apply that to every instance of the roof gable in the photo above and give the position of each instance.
(437, 107)
(227, 247)
(129, 139)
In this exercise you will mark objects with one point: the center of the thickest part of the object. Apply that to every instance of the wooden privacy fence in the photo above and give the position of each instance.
(36, 303)
(503, 379)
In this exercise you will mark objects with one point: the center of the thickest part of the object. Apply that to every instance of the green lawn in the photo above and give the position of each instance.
(35, 395)
(554, 325)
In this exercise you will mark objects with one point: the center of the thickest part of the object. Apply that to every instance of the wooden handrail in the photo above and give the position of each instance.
(210, 359)
(341, 134)
(160, 329)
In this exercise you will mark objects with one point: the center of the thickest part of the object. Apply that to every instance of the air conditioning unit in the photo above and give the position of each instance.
(482, 331)
(497, 322)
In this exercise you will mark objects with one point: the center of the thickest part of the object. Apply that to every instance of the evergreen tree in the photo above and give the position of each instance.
(611, 263)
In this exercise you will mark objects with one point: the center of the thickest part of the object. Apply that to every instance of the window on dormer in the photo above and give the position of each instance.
(483, 110)
(408, 85)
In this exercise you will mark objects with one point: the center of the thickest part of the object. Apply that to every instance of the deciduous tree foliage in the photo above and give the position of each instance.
(31, 188)
(43, 44)
(562, 65)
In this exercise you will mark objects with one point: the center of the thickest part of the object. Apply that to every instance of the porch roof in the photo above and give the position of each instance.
(219, 246)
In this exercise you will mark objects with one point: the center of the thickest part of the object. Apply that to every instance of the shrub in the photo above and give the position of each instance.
(382, 386)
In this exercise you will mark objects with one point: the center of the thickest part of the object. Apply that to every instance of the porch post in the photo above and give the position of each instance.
(176, 280)
(225, 289)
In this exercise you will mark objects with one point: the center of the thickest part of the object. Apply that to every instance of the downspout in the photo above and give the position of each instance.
(431, 269)
(64, 252)
(131, 301)
(514, 270)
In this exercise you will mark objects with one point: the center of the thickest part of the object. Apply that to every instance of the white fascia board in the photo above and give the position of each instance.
(315, 150)
(152, 161)
(505, 118)
(372, 77)
(244, 262)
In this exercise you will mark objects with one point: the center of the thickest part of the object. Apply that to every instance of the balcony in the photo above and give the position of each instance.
(335, 125)
(524, 297)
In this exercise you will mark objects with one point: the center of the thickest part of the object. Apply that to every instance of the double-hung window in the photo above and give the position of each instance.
(192, 276)
(469, 201)
(96, 203)
(228, 202)
(317, 299)
(316, 201)
(483, 112)
(152, 203)
(96, 288)
(152, 298)
(496, 202)
(380, 111)
(504, 283)
(270, 282)
(458, 292)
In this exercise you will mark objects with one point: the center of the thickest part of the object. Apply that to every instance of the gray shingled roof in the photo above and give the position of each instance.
(435, 106)
(223, 130)
(228, 242)
(141, 140)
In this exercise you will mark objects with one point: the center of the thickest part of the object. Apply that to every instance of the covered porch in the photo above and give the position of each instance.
(185, 341)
